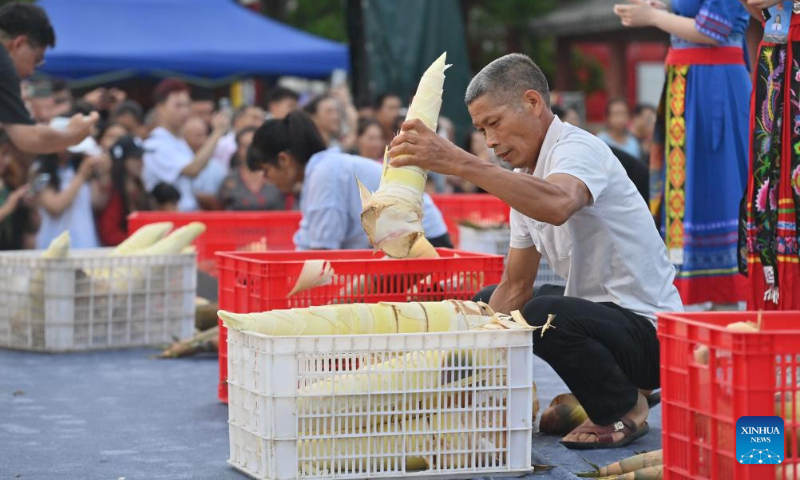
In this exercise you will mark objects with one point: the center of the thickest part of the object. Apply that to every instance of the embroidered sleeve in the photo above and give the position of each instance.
(714, 19)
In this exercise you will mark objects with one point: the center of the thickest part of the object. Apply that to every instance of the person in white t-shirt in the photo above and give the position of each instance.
(573, 204)
(168, 158)
(206, 185)
(246, 116)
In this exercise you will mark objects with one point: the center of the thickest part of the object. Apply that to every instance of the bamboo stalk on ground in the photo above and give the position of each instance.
(205, 341)
(563, 415)
(392, 216)
(647, 473)
(205, 316)
(630, 465)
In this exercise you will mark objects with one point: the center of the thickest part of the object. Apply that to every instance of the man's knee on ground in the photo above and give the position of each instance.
(485, 294)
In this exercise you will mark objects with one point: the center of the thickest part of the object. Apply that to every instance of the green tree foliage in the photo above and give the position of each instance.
(325, 18)
(495, 28)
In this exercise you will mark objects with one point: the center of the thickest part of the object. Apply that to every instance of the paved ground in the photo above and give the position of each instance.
(107, 415)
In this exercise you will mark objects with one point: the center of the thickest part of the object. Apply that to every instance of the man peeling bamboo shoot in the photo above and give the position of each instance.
(573, 205)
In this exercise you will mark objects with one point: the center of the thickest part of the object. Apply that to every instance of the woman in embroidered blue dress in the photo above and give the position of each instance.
(699, 176)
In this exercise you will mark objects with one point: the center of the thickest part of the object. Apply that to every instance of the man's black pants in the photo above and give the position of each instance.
(603, 352)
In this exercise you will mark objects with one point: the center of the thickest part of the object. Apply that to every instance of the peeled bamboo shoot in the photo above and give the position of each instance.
(142, 238)
(392, 216)
(175, 241)
(403, 384)
(418, 438)
(59, 246)
(701, 352)
(122, 279)
(384, 317)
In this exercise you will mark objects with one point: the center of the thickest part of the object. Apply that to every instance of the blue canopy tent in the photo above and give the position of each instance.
(216, 40)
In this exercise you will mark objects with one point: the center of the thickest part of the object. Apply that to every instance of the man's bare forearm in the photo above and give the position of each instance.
(532, 196)
(506, 299)
(38, 139)
(202, 157)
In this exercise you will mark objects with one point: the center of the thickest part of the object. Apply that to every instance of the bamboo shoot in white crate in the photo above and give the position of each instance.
(392, 216)
(402, 422)
(146, 243)
(409, 443)
(58, 248)
(142, 238)
(175, 241)
(384, 317)
(394, 387)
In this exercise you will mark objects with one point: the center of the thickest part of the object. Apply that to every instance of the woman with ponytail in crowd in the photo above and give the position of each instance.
(292, 150)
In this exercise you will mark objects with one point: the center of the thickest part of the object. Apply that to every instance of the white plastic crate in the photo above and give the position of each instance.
(484, 240)
(495, 241)
(91, 300)
(287, 422)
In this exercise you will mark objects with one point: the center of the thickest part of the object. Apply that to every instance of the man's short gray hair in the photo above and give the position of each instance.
(507, 77)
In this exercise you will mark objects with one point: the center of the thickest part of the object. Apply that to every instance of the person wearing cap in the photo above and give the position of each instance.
(69, 188)
(25, 33)
(126, 192)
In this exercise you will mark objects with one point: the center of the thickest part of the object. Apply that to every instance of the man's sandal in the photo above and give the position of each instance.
(605, 433)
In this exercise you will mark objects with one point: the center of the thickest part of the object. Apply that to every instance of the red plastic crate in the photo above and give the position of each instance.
(476, 208)
(229, 231)
(257, 282)
(744, 374)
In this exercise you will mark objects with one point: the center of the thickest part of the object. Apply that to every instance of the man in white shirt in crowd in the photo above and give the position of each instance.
(246, 116)
(573, 204)
(206, 185)
(168, 157)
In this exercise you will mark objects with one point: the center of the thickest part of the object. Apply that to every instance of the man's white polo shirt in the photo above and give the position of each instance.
(610, 250)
